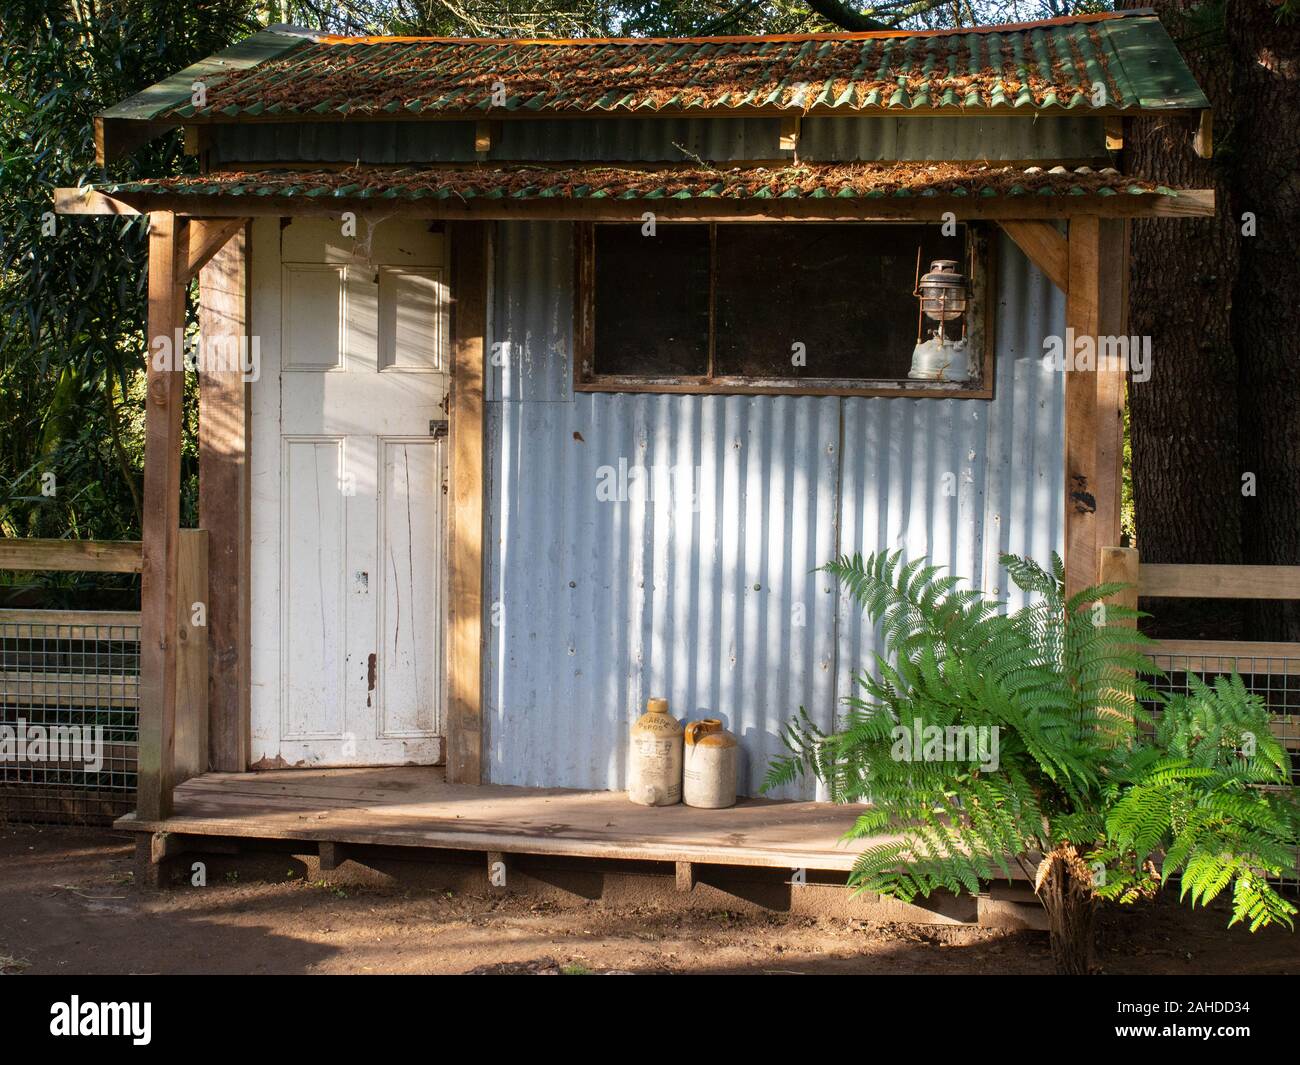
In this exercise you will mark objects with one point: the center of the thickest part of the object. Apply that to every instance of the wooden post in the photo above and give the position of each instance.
(469, 295)
(1112, 293)
(224, 438)
(1119, 565)
(192, 610)
(1094, 398)
(161, 532)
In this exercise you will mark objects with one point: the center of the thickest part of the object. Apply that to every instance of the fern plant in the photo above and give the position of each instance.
(984, 739)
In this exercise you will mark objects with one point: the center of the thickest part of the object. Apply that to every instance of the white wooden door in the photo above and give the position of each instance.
(349, 466)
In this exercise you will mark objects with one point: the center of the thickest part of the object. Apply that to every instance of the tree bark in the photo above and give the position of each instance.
(1183, 421)
(1265, 147)
(1066, 894)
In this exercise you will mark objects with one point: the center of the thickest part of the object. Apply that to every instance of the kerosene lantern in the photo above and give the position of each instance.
(944, 295)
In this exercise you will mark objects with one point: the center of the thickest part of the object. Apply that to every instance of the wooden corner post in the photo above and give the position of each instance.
(224, 499)
(161, 532)
(469, 296)
(1094, 394)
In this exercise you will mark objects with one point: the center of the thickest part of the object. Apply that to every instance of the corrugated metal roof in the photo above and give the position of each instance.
(1050, 66)
(838, 181)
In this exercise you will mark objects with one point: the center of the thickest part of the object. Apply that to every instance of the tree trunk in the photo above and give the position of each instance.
(1265, 146)
(1066, 894)
(1183, 423)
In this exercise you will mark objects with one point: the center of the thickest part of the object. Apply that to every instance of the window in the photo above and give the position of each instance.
(806, 308)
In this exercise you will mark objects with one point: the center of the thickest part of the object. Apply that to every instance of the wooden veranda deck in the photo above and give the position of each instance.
(416, 807)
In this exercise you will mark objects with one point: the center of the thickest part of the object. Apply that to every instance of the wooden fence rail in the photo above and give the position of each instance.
(1219, 582)
(75, 556)
(1149, 580)
(29, 687)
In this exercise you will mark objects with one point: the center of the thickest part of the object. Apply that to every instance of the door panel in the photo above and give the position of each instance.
(410, 659)
(314, 341)
(314, 551)
(348, 585)
(410, 303)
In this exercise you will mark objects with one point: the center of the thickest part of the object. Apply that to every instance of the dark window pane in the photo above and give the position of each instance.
(652, 301)
(843, 291)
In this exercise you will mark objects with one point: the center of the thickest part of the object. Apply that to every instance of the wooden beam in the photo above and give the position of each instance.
(1220, 582)
(204, 238)
(1093, 399)
(197, 139)
(469, 295)
(85, 200)
(25, 688)
(789, 140)
(161, 534)
(71, 624)
(1282, 659)
(685, 876)
(1119, 565)
(486, 131)
(192, 656)
(1112, 382)
(1189, 203)
(70, 556)
(224, 501)
(1203, 142)
(1046, 247)
(1082, 317)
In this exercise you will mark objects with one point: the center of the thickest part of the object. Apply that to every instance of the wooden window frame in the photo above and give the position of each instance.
(584, 337)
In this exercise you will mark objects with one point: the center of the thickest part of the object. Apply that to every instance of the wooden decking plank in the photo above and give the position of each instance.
(415, 807)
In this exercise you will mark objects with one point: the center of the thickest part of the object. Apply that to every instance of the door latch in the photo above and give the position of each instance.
(438, 428)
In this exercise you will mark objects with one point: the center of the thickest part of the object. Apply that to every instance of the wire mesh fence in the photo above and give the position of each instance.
(69, 716)
(1276, 680)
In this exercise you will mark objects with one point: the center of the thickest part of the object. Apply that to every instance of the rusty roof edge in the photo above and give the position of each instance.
(776, 38)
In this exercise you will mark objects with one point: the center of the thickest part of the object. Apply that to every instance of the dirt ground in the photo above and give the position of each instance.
(68, 905)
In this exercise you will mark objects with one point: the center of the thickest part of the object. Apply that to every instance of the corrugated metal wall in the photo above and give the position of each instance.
(664, 140)
(702, 588)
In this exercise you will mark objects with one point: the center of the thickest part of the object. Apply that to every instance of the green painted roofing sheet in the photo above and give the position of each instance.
(857, 181)
(253, 51)
(1122, 62)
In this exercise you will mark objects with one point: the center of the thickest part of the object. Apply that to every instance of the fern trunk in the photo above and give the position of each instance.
(1066, 894)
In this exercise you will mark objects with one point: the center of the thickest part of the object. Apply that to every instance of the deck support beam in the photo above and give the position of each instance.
(161, 532)
(1094, 395)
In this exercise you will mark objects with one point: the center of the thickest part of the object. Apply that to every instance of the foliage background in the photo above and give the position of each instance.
(72, 290)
